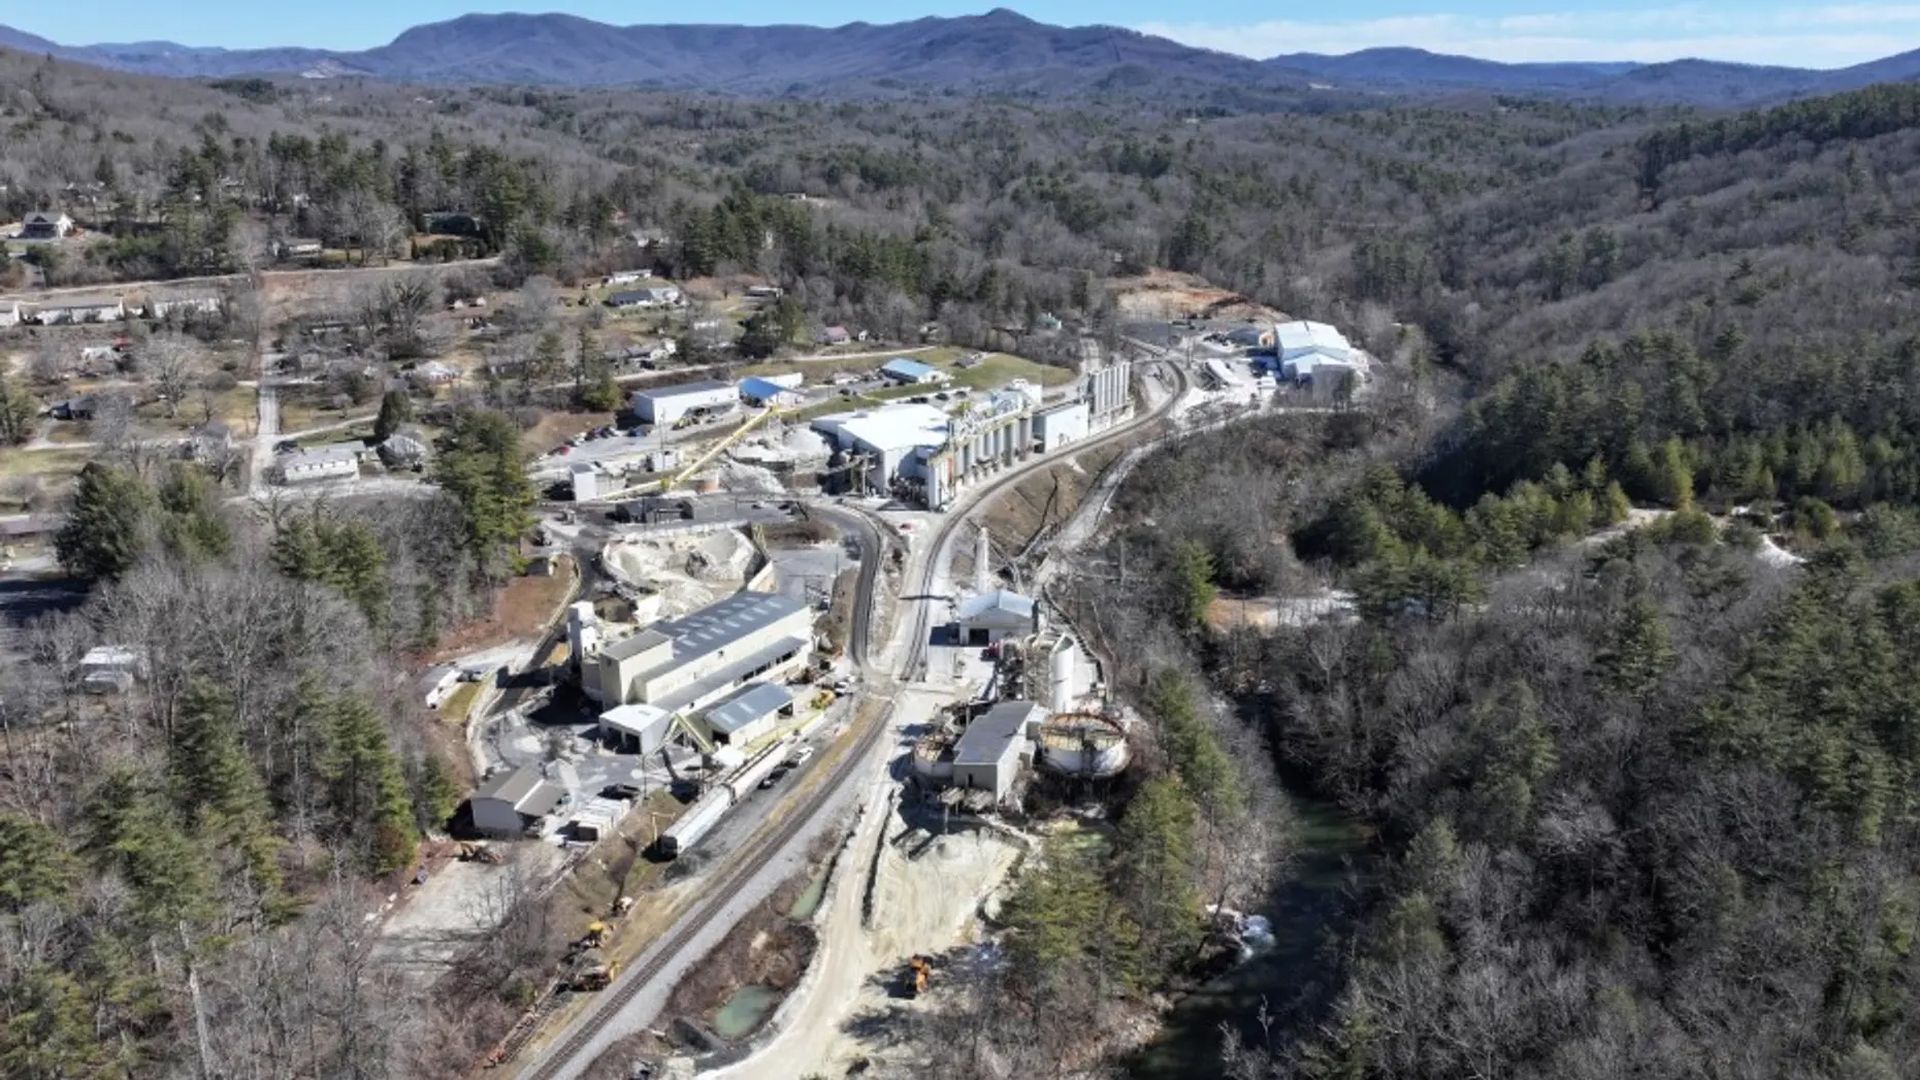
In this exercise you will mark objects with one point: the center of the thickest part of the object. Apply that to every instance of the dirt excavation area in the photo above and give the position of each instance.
(1165, 294)
(687, 571)
(925, 892)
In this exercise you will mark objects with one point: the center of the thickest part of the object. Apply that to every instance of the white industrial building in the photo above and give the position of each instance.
(1108, 392)
(995, 746)
(671, 404)
(637, 728)
(586, 481)
(1303, 347)
(681, 666)
(991, 616)
(512, 803)
(9, 315)
(1060, 425)
(328, 463)
(750, 714)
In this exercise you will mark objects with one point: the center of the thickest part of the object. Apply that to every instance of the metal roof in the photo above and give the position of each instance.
(759, 389)
(637, 718)
(892, 427)
(725, 622)
(997, 602)
(661, 393)
(629, 647)
(1294, 336)
(908, 369)
(986, 739)
(755, 700)
(740, 667)
(524, 789)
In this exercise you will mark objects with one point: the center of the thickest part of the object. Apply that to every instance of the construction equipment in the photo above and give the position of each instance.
(595, 936)
(622, 906)
(591, 971)
(479, 853)
(822, 699)
(919, 971)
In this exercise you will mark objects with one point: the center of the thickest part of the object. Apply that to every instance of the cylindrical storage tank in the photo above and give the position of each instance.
(933, 759)
(1061, 681)
(1083, 746)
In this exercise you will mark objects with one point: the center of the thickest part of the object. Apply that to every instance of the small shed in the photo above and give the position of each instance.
(514, 802)
(769, 391)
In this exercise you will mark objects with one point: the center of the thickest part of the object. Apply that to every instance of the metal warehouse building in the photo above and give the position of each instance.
(669, 404)
(684, 665)
(991, 750)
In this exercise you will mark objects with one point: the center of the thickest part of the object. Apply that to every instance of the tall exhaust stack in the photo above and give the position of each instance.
(983, 564)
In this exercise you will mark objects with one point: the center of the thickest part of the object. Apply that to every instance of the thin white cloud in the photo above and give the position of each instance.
(1817, 36)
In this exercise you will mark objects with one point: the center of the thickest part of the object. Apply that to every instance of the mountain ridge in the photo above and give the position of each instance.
(998, 51)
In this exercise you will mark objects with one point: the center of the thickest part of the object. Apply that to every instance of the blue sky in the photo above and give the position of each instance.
(1798, 32)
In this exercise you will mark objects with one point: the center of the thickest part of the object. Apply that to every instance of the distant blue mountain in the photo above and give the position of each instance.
(1001, 51)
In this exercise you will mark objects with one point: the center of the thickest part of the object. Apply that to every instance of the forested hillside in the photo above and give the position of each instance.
(1645, 797)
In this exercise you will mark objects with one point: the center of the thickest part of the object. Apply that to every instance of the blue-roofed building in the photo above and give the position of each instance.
(777, 392)
(912, 372)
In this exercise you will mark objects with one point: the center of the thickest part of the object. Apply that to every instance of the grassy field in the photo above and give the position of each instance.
(994, 371)
(58, 464)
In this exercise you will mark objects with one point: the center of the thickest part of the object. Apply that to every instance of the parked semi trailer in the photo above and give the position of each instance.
(707, 810)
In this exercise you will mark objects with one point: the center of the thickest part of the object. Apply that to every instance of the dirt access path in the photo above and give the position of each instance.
(916, 909)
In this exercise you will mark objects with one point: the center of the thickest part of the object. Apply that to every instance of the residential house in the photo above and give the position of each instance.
(653, 296)
(406, 448)
(434, 373)
(45, 225)
(210, 441)
(300, 248)
(77, 408)
(626, 277)
(834, 335)
(89, 311)
(327, 463)
(185, 305)
(765, 292)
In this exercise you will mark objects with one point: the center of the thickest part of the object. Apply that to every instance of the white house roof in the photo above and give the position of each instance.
(891, 427)
(753, 702)
(1302, 336)
(317, 459)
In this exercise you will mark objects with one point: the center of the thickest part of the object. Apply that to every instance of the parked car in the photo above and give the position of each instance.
(773, 778)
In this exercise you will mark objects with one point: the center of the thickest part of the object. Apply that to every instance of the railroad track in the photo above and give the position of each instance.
(559, 1060)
